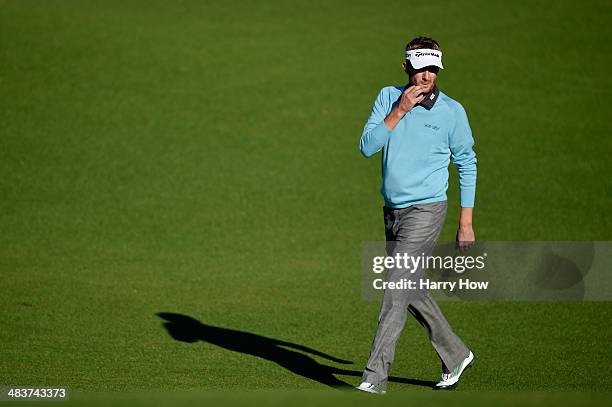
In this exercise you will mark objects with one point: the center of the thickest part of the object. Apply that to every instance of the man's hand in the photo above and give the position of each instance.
(409, 98)
(465, 237)
(465, 234)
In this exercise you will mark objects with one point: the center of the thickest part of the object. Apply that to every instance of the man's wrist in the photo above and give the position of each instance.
(465, 218)
(393, 118)
(399, 112)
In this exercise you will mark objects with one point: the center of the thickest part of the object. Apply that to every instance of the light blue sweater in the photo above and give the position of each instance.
(416, 154)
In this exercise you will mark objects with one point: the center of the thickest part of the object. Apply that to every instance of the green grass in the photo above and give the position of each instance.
(202, 158)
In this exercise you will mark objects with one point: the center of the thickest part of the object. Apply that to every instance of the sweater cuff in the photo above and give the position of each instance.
(381, 132)
(467, 197)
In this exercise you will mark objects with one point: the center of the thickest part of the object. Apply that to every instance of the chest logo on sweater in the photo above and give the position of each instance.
(431, 126)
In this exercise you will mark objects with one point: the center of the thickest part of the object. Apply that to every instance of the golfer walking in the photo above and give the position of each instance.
(420, 130)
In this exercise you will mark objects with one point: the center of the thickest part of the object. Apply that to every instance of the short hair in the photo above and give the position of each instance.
(423, 43)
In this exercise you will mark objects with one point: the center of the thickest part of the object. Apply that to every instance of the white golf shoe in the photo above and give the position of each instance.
(450, 380)
(371, 388)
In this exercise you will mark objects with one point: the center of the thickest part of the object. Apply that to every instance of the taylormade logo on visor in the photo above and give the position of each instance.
(418, 54)
(420, 58)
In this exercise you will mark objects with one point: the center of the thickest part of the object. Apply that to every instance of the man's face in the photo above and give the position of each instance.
(425, 77)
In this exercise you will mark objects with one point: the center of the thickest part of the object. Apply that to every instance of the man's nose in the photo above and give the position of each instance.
(426, 75)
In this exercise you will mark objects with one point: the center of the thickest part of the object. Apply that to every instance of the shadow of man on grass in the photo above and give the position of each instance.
(187, 329)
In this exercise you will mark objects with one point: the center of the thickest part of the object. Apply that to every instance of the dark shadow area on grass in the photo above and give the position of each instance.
(187, 329)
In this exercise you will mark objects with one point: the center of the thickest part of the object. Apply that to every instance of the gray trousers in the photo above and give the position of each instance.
(415, 231)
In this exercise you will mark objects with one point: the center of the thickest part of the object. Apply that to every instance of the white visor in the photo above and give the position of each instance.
(420, 58)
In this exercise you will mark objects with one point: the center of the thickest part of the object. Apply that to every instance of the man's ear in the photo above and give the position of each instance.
(405, 66)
